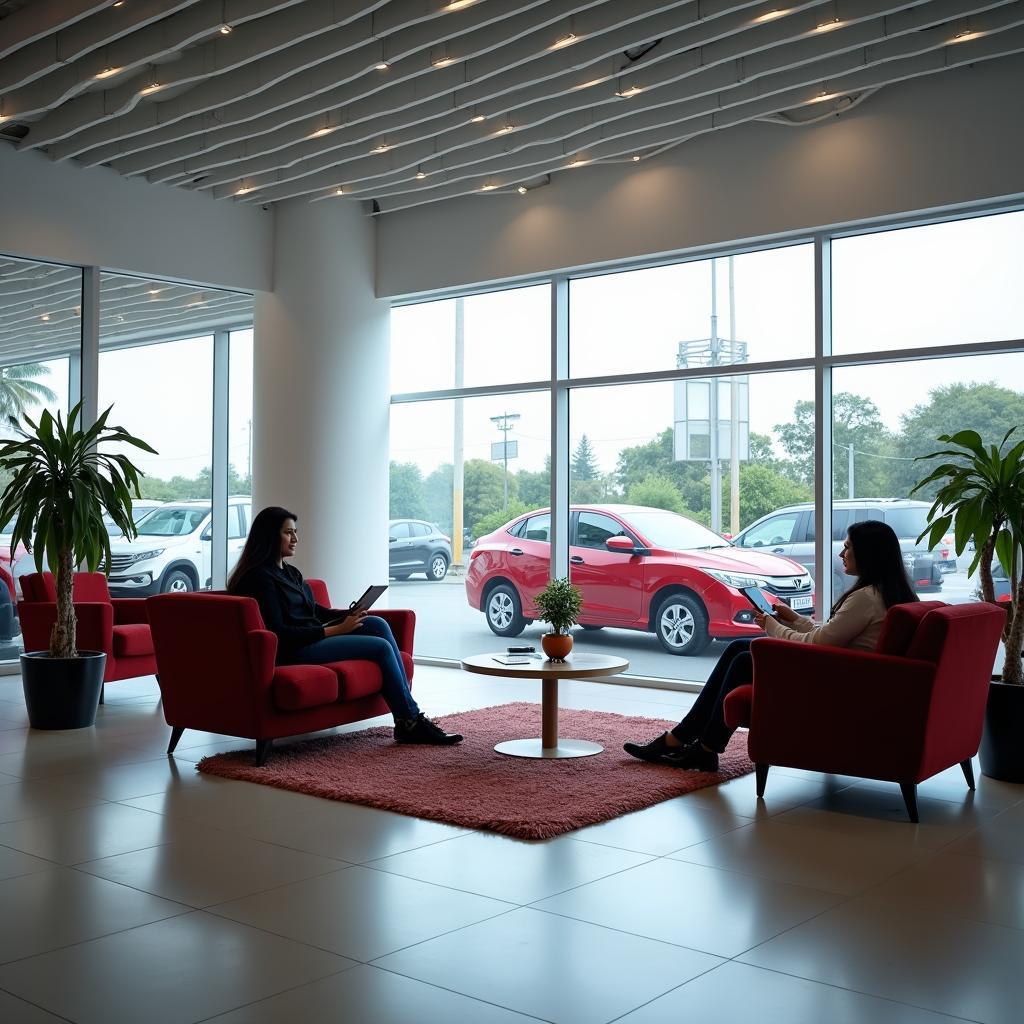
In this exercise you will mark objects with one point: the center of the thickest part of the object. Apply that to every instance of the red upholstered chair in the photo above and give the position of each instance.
(217, 672)
(909, 710)
(117, 626)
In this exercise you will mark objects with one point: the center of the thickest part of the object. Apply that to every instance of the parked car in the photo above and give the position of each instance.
(8, 557)
(638, 568)
(790, 531)
(417, 546)
(172, 552)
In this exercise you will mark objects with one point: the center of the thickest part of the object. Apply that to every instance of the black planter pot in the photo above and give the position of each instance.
(1002, 742)
(62, 693)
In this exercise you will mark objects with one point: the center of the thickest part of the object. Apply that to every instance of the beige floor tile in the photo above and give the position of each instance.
(719, 912)
(210, 868)
(784, 792)
(361, 913)
(30, 798)
(369, 994)
(663, 828)
(939, 962)
(88, 833)
(508, 869)
(13, 739)
(184, 969)
(49, 909)
(737, 994)
(47, 755)
(560, 970)
(17, 1011)
(982, 890)
(950, 785)
(14, 863)
(1000, 838)
(139, 778)
(348, 832)
(811, 857)
(880, 814)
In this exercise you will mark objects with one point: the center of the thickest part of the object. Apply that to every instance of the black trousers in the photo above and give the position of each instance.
(706, 720)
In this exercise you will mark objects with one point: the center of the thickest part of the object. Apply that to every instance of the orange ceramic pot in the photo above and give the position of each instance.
(556, 645)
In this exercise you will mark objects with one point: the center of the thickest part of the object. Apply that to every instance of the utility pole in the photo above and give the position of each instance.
(458, 468)
(716, 466)
(734, 418)
(504, 424)
(849, 469)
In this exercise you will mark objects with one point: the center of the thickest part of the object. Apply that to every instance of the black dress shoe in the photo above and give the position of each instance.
(650, 752)
(692, 756)
(422, 730)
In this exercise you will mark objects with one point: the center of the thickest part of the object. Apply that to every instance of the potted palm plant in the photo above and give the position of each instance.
(981, 495)
(558, 604)
(61, 486)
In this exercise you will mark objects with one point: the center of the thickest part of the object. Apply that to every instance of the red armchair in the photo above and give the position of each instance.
(217, 672)
(117, 626)
(911, 709)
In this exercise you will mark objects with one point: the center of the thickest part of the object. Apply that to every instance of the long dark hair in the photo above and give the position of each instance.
(263, 545)
(879, 558)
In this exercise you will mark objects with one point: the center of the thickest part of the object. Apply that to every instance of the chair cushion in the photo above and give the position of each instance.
(356, 679)
(900, 625)
(304, 686)
(737, 706)
(133, 640)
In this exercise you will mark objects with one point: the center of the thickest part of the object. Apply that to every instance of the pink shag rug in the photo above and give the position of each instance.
(473, 786)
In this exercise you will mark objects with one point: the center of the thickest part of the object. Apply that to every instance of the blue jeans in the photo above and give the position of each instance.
(375, 642)
(705, 721)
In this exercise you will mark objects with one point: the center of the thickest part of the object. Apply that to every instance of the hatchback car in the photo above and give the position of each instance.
(790, 531)
(417, 546)
(637, 568)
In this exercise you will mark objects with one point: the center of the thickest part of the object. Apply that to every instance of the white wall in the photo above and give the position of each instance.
(948, 139)
(320, 376)
(71, 214)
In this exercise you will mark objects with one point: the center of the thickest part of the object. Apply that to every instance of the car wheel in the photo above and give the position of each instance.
(438, 568)
(504, 611)
(176, 582)
(400, 576)
(682, 625)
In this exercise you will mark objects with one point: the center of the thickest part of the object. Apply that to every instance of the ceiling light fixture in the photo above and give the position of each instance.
(443, 62)
(339, 191)
(151, 88)
(226, 29)
(566, 40)
(108, 72)
(320, 132)
(117, 3)
(777, 12)
(506, 128)
(477, 118)
(381, 65)
(827, 26)
(489, 187)
(966, 36)
(522, 190)
(636, 158)
(824, 95)
(457, 5)
(633, 90)
(420, 175)
(577, 161)
(243, 190)
(590, 84)
(45, 318)
(382, 148)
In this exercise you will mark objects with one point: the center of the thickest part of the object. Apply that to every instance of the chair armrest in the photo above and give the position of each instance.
(129, 611)
(95, 630)
(837, 710)
(262, 656)
(403, 624)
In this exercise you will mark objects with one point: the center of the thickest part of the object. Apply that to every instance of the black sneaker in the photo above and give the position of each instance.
(649, 751)
(422, 730)
(692, 756)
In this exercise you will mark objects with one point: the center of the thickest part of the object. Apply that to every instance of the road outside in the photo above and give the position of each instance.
(446, 627)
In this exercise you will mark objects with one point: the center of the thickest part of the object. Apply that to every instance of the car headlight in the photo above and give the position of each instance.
(143, 555)
(732, 579)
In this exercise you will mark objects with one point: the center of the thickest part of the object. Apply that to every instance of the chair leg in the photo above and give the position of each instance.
(909, 790)
(262, 750)
(176, 731)
(761, 771)
(968, 769)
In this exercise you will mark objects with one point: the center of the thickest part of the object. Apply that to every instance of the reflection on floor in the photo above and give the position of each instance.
(134, 890)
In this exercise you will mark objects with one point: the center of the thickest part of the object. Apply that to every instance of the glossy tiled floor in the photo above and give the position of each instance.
(133, 890)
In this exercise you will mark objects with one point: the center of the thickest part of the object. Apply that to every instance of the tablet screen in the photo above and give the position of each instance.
(369, 598)
(757, 599)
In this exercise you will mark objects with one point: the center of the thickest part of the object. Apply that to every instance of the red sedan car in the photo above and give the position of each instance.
(638, 568)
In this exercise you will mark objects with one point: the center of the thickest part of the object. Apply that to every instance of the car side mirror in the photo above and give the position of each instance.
(391, 540)
(621, 544)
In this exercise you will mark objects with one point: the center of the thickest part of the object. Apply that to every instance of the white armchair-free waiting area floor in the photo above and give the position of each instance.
(132, 889)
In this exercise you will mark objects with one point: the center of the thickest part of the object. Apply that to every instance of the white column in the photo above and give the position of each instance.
(321, 387)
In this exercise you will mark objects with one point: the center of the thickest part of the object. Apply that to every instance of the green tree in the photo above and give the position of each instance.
(484, 491)
(534, 486)
(19, 389)
(598, 491)
(583, 465)
(406, 492)
(657, 492)
(438, 497)
(490, 522)
(988, 408)
(762, 490)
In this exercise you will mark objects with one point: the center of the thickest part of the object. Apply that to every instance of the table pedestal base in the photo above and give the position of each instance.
(536, 748)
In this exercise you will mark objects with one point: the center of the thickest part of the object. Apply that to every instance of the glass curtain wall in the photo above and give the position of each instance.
(707, 470)
(40, 350)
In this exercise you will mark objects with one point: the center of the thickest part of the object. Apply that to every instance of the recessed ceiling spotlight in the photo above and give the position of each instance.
(117, 3)
(381, 65)
(824, 95)
(457, 5)
(154, 291)
(242, 191)
(339, 191)
(590, 84)
(108, 72)
(633, 90)
(636, 158)
(522, 190)
(443, 62)
(151, 88)
(45, 318)
(827, 26)
(577, 161)
(966, 36)
(477, 118)
(488, 188)
(420, 175)
(505, 129)
(321, 132)
(226, 30)
(777, 12)
(382, 148)
(566, 40)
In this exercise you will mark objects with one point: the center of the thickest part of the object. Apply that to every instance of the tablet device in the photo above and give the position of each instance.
(757, 599)
(370, 597)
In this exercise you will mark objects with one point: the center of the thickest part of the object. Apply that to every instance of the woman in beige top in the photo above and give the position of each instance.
(871, 553)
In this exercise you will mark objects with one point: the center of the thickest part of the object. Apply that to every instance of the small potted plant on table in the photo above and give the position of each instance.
(60, 488)
(558, 604)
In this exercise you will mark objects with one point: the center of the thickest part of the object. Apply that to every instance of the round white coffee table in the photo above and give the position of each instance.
(577, 666)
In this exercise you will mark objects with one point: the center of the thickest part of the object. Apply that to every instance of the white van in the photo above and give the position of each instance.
(172, 552)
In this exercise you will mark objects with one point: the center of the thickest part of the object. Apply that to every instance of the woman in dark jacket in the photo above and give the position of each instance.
(310, 634)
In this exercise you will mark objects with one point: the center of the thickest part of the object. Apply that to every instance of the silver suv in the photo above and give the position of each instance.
(790, 531)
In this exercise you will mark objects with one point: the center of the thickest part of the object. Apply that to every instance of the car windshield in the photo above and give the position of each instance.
(172, 522)
(908, 523)
(675, 532)
(8, 528)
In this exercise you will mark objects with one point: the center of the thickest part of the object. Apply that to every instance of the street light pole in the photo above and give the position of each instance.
(504, 424)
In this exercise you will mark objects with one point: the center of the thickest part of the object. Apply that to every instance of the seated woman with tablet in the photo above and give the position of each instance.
(310, 634)
(872, 554)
